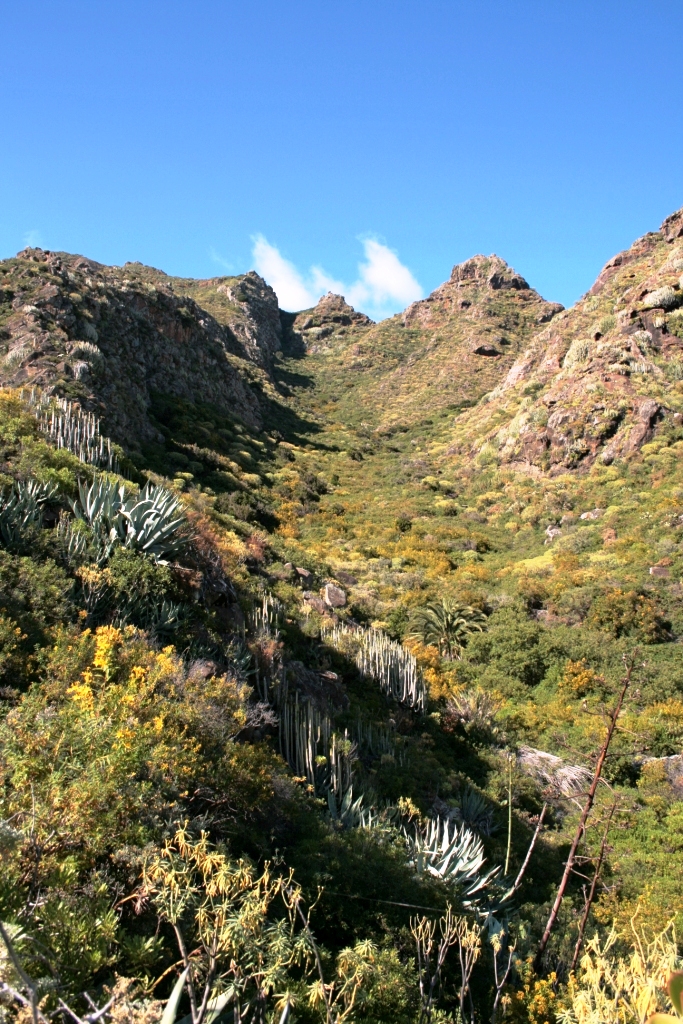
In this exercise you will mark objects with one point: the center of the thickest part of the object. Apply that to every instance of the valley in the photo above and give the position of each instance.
(355, 600)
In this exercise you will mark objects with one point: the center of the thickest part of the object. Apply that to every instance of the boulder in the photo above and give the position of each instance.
(333, 596)
(346, 578)
(316, 603)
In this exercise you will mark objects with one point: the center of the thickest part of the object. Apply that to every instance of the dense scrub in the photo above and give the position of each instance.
(283, 709)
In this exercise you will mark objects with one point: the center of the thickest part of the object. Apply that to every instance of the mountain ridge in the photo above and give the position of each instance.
(110, 337)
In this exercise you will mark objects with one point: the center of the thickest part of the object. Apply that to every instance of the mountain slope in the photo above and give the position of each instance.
(444, 351)
(112, 337)
(238, 638)
(596, 381)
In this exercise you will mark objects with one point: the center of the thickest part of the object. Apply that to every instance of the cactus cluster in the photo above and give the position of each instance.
(267, 617)
(313, 750)
(385, 661)
(67, 426)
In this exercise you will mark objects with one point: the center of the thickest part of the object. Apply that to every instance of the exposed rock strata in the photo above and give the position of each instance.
(111, 336)
(596, 381)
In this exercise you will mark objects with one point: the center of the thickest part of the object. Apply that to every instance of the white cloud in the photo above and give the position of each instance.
(384, 281)
(384, 285)
(33, 239)
(290, 288)
(217, 258)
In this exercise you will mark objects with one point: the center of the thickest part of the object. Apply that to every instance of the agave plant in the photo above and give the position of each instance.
(447, 626)
(474, 811)
(452, 853)
(344, 809)
(151, 522)
(161, 619)
(74, 541)
(154, 522)
(21, 508)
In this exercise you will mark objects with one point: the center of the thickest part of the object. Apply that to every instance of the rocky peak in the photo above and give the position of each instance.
(473, 287)
(672, 226)
(331, 309)
(596, 381)
(332, 317)
(487, 270)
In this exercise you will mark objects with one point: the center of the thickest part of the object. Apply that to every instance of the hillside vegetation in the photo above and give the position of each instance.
(315, 636)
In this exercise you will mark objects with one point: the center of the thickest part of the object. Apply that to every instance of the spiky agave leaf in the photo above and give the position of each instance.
(455, 855)
(474, 811)
(153, 522)
(347, 811)
(150, 522)
(21, 508)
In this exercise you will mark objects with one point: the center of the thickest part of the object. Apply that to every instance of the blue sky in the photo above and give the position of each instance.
(366, 144)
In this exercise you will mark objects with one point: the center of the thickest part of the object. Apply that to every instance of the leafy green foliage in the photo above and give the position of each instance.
(447, 626)
(150, 522)
(488, 606)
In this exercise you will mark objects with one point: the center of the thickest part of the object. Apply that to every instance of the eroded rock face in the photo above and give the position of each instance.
(111, 336)
(331, 320)
(596, 381)
(334, 596)
(467, 289)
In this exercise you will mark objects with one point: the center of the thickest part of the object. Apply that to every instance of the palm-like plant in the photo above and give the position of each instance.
(447, 626)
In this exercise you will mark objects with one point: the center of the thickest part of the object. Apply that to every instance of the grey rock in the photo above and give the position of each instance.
(346, 578)
(316, 603)
(333, 596)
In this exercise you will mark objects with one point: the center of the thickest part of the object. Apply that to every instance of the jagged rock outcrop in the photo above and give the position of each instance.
(444, 351)
(248, 306)
(596, 381)
(471, 284)
(328, 322)
(111, 336)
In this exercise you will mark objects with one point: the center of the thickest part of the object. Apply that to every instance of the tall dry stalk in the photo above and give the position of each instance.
(581, 827)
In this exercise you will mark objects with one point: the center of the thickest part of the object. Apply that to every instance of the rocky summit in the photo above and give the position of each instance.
(325, 643)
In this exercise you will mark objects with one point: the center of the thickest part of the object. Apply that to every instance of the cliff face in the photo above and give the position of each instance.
(595, 381)
(111, 336)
